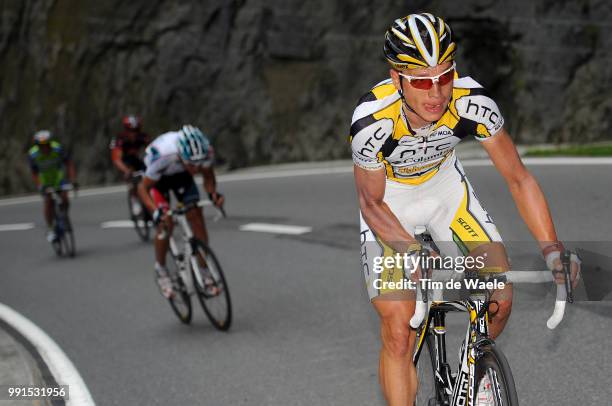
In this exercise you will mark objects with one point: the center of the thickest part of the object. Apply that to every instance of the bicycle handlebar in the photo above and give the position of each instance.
(564, 292)
(185, 208)
(63, 188)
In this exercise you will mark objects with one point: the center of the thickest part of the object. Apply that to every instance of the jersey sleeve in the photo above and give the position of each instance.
(481, 110)
(63, 154)
(154, 162)
(368, 135)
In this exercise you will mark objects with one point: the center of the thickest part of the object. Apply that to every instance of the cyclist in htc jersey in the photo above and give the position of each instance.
(172, 160)
(51, 168)
(403, 133)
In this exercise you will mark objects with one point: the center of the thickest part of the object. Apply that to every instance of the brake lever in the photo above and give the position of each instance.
(567, 271)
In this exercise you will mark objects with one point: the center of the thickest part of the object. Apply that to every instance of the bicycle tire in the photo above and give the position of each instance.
(181, 302)
(68, 237)
(494, 364)
(65, 235)
(223, 320)
(428, 393)
(57, 246)
(140, 220)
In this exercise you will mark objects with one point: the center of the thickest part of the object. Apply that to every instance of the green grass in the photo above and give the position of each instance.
(574, 150)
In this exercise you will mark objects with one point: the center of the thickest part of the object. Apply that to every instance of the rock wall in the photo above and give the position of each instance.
(276, 81)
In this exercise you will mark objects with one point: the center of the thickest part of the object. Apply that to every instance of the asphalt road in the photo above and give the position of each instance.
(304, 332)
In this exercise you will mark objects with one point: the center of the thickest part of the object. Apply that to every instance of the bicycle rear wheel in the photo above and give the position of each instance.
(428, 393)
(494, 380)
(210, 286)
(139, 216)
(180, 302)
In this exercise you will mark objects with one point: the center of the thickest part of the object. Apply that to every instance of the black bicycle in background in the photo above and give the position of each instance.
(63, 244)
(139, 214)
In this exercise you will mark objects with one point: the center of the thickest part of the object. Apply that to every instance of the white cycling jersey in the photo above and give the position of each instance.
(162, 156)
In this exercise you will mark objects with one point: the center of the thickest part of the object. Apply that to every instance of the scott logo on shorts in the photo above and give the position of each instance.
(467, 227)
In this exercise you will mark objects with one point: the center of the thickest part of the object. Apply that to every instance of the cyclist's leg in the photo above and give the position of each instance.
(397, 372)
(65, 204)
(134, 163)
(161, 198)
(48, 211)
(464, 228)
(395, 307)
(186, 191)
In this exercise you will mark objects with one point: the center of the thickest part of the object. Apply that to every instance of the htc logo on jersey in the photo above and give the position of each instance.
(425, 149)
(483, 111)
(480, 109)
(370, 139)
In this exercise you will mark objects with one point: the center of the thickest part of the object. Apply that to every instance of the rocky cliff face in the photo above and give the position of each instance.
(277, 80)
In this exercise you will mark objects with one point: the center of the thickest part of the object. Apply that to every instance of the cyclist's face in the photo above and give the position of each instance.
(429, 104)
(191, 168)
(45, 149)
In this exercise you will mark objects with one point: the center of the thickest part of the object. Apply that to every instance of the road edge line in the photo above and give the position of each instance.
(60, 366)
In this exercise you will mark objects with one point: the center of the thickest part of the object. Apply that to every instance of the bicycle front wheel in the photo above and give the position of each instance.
(428, 393)
(494, 380)
(210, 286)
(66, 236)
(180, 302)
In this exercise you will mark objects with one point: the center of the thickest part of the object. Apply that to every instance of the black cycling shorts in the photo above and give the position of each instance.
(181, 184)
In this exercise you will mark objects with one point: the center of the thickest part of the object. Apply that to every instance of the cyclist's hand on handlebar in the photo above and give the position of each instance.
(553, 262)
(159, 215)
(217, 198)
(127, 175)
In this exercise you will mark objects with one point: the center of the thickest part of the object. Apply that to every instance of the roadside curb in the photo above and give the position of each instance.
(21, 364)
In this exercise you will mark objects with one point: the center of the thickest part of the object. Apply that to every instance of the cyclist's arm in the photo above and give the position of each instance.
(144, 188)
(209, 180)
(371, 191)
(525, 190)
(35, 171)
(117, 157)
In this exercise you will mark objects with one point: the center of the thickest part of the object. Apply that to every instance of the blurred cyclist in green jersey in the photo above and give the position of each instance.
(51, 168)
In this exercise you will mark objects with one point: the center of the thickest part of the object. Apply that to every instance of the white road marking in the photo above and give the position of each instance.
(233, 177)
(118, 224)
(16, 227)
(275, 228)
(287, 173)
(59, 364)
(556, 161)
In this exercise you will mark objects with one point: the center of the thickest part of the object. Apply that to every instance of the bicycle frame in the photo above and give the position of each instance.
(185, 256)
(462, 388)
(59, 215)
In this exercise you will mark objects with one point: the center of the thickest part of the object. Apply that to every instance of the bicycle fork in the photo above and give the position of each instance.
(464, 388)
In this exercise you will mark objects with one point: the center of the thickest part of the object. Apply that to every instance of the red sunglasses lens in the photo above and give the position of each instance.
(426, 84)
(423, 84)
(447, 77)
